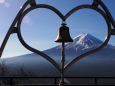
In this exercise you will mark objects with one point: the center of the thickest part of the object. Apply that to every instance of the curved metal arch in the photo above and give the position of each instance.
(12, 27)
(100, 47)
(107, 12)
(29, 47)
(43, 6)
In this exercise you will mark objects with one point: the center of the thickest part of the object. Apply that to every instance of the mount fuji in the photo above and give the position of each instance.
(99, 64)
(81, 44)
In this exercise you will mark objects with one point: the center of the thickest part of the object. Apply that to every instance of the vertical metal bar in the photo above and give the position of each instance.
(55, 81)
(95, 80)
(62, 65)
(11, 81)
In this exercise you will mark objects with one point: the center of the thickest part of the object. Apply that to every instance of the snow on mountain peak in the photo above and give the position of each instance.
(81, 35)
(84, 41)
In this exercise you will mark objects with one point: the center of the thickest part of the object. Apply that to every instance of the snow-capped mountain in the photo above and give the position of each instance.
(98, 64)
(84, 42)
(81, 44)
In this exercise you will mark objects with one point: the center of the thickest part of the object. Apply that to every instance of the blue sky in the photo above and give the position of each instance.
(40, 27)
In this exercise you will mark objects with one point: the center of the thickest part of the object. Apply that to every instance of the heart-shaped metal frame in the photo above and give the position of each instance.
(15, 28)
(63, 19)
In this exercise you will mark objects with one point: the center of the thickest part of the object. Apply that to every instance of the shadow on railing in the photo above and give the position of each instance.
(35, 81)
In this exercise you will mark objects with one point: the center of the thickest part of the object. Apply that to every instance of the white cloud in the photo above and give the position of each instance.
(2, 1)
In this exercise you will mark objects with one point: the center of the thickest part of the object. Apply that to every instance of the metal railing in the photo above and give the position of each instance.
(35, 81)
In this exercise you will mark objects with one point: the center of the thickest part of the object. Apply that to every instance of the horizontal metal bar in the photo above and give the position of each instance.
(59, 77)
(55, 79)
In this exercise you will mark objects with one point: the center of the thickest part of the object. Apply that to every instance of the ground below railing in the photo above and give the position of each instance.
(35, 81)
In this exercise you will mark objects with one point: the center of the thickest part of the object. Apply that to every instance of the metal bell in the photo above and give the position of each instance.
(63, 34)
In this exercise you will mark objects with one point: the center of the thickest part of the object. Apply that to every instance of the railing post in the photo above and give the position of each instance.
(95, 80)
(55, 81)
(11, 81)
